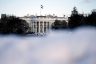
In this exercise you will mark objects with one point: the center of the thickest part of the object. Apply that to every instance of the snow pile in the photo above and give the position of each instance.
(58, 47)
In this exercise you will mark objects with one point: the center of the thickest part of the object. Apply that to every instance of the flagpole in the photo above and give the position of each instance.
(40, 10)
(41, 7)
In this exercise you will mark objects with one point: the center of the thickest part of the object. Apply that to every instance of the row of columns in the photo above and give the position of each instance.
(39, 27)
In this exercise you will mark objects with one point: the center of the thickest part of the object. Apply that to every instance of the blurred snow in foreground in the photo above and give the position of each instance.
(58, 47)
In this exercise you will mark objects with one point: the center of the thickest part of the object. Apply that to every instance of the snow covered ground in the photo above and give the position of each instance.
(57, 47)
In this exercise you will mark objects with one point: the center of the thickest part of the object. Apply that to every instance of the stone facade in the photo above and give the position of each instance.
(41, 24)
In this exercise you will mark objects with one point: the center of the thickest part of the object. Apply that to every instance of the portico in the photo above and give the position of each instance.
(41, 24)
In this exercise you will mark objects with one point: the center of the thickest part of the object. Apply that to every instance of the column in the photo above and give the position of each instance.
(39, 27)
(32, 26)
(35, 27)
(43, 26)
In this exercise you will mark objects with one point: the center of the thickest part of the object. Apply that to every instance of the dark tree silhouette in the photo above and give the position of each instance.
(59, 24)
(74, 12)
(91, 19)
(75, 19)
(12, 24)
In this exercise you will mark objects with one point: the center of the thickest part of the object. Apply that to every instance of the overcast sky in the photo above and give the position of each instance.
(58, 7)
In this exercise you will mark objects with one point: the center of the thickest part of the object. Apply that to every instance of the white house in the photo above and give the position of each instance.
(41, 24)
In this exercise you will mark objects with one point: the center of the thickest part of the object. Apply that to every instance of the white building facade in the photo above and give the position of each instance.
(41, 24)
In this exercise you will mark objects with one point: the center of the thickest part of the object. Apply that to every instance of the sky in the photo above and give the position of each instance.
(57, 7)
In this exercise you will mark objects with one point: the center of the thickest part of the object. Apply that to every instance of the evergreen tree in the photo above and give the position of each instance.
(75, 19)
(12, 24)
